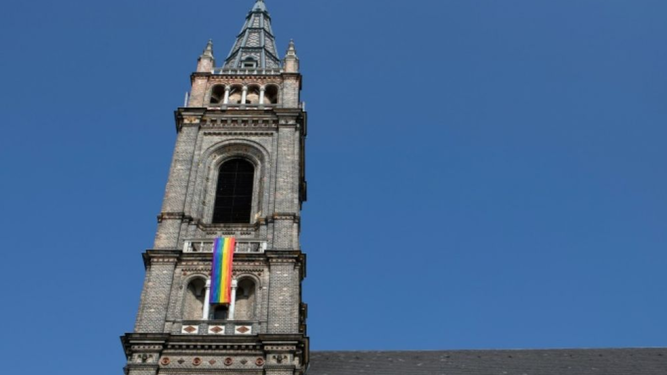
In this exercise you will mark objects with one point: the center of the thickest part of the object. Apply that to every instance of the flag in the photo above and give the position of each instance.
(221, 270)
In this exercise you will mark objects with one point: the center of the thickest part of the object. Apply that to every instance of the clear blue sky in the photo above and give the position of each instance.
(482, 174)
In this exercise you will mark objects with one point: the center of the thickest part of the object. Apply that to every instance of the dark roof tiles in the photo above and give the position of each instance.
(493, 362)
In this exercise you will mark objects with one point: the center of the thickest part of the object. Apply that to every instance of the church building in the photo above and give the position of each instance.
(222, 291)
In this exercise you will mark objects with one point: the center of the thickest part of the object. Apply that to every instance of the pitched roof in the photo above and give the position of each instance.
(255, 41)
(492, 362)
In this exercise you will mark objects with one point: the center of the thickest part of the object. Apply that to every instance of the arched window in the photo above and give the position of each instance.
(235, 94)
(271, 94)
(253, 95)
(245, 300)
(193, 302)
(217, 94)
(233, 195)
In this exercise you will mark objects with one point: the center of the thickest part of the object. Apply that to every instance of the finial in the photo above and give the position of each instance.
(208, 51)
(259, 5)
(291, 49)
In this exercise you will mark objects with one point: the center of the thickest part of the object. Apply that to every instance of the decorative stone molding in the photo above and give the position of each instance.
(146, 347)
(190, 330)
(216, 330)
(214, 348)
(281, 348)
(163, 260)
(245, 134)
(244, 80)
(243, 330)
(170, 216)
(284, 216)
(191, 119)
(245, 123)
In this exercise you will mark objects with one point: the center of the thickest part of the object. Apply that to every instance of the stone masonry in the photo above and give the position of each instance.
(249, 109)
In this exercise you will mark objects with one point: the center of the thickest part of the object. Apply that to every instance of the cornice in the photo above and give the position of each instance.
(243, 133)
(212, 122)
(277, 216)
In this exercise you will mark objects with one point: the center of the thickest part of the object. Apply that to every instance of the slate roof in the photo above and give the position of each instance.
(493, 362)
(255, 41)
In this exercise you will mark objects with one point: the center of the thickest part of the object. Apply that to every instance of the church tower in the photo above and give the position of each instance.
(237, 171)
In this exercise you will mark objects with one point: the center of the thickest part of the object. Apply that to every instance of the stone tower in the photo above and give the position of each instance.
(237, 170)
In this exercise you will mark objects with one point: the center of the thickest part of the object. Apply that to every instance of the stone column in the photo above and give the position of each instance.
(232, 304)
(244, 96)
(207, 305)
(226, 99)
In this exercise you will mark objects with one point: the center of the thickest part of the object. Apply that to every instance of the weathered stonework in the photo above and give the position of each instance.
(268, 336)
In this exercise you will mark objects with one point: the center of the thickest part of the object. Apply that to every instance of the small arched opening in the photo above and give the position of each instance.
(245, 300)
(217, 94)
(271, 94)
(193, 301)
(235, 94)
(252, 96)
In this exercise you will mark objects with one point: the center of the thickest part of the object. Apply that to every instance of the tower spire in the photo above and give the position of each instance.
(208, 51)
(206, 60)
(291, 61)
(255, 46)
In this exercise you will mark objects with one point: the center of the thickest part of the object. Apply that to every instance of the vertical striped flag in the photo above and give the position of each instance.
(221, 270)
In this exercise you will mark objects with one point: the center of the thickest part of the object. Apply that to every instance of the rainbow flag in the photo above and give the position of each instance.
(221, 270)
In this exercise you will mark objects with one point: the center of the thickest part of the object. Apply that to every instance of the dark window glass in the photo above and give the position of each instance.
(220, 312)
(233, 196)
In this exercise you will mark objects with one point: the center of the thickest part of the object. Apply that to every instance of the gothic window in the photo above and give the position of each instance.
(245, 300)
(271, 94)
(233, 195)
(217, 94)
(193, 302)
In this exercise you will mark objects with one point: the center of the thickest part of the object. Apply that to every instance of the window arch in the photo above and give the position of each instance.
(217, 94)
(233, 195)
(245, 300)
(235, 94)
(193, 301)
(271, 94)
(253, 95)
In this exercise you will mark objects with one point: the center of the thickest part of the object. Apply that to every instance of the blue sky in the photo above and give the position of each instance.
(482, 174)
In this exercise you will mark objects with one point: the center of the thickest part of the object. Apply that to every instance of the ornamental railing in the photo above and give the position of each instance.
(206, 246)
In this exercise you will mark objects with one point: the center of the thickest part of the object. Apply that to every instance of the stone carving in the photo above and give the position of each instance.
(190, 120)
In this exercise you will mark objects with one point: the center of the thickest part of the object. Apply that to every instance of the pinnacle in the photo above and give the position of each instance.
(208, 51)
(259, 5)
